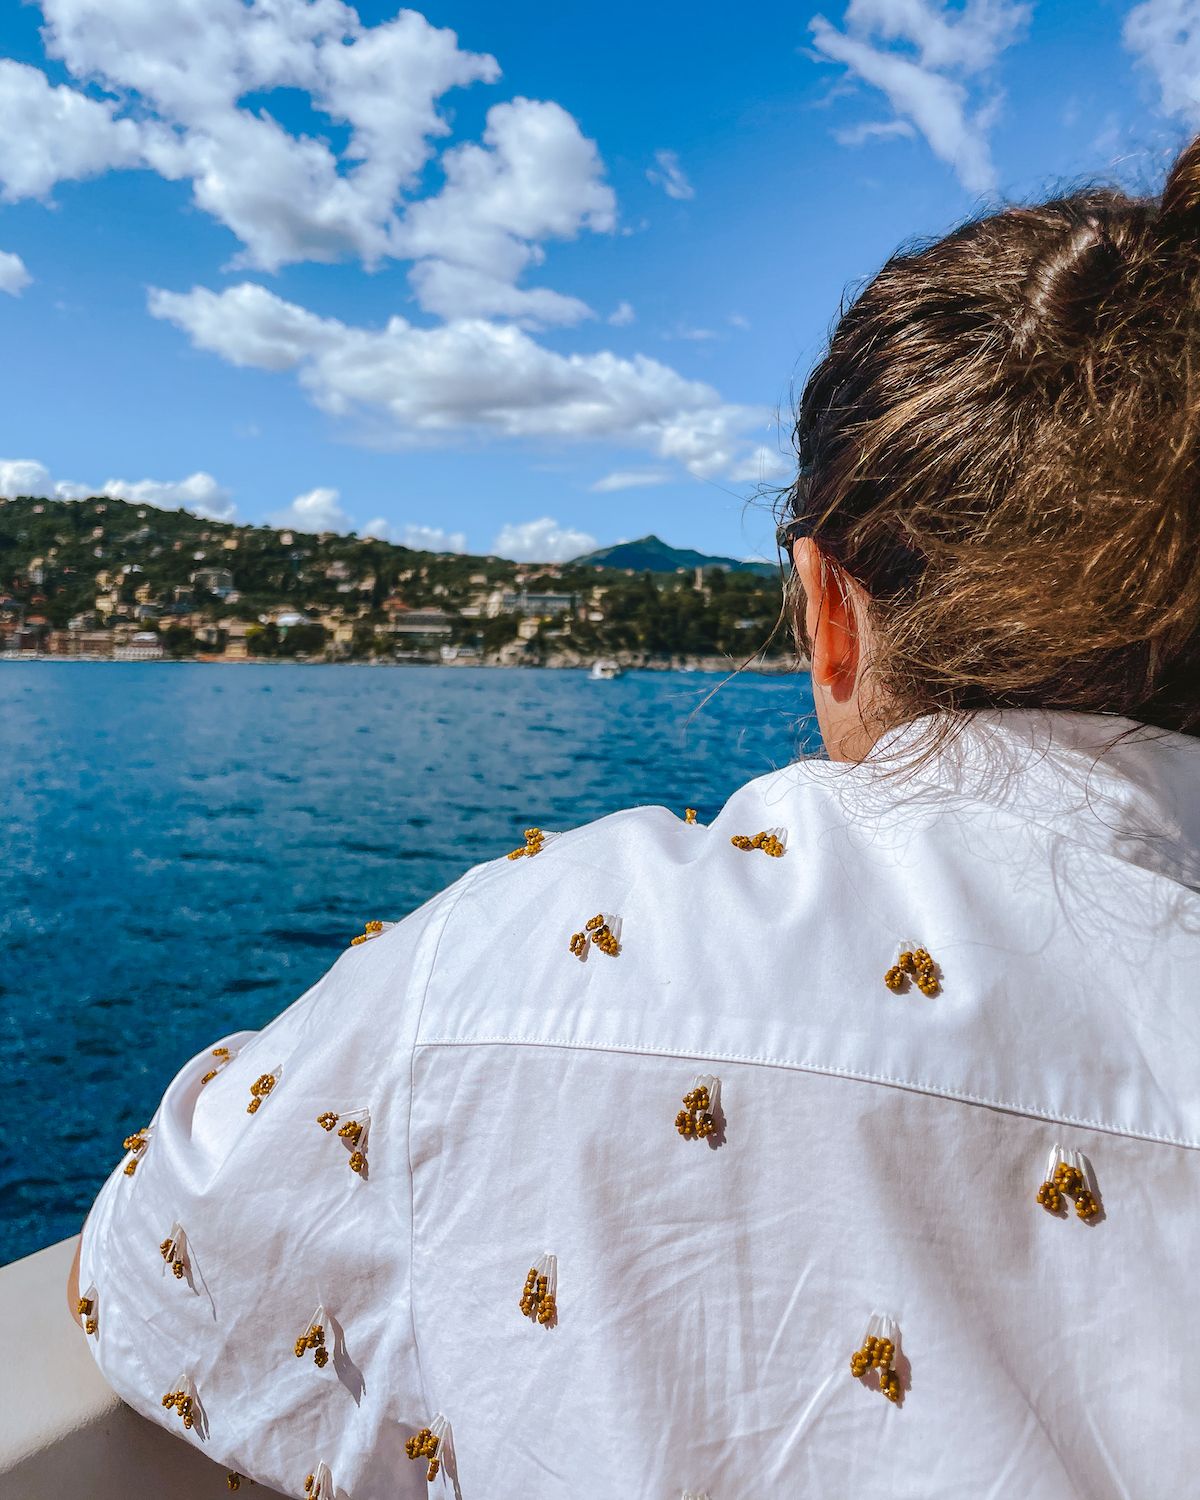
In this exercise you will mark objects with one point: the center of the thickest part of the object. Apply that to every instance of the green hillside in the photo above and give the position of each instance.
(82, 577)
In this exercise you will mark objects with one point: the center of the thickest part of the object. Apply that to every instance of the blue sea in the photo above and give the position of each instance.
(185, 848)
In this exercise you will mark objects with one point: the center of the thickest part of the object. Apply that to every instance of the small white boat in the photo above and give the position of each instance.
(604, 670)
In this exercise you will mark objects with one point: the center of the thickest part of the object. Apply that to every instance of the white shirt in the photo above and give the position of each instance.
(877, 1153)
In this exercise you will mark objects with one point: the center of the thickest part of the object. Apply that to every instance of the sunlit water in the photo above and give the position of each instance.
(184, 849)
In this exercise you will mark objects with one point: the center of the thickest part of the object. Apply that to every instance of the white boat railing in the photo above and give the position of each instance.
(62, 1431)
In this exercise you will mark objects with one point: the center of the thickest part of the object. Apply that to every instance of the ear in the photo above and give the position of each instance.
(831, 620)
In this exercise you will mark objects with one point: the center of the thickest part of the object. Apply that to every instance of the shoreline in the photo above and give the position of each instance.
(705, 666)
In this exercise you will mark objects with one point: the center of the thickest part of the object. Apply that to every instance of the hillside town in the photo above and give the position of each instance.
(104, 579)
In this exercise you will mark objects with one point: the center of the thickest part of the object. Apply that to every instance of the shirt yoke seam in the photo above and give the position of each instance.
(940, 1091)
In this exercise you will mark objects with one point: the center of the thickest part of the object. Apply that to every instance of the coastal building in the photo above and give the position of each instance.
(94, 644)
(142, 645)
(237, 647)
(218, 581)
(422, 627)
(525, 602)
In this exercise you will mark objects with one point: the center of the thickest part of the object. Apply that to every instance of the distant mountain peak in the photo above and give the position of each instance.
(650, 554)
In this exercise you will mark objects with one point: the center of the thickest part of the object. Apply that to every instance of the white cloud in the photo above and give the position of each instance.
(670, 176)
(467, 292)
(543, 540)
(630, 479)
(622, 315)
(944, 49)
(469, 375)
(183, 67)
(1164, 36)
(873, 130)
(14, 278)
(23, 476)
(190, 84)
(316, 510)
(419, 538)
(535, 177)
(54, 134)
(199, 492)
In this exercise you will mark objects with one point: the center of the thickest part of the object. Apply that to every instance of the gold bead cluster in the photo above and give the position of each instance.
(183, 1404)
(222, 1054)
(259, 1090)
(86, 1308)
(878, 1352)
(352, 1132)
(1065, 1178)
(172, 1253)
(915, 964)
(689, 815)
(313, 1338)
(319, 1485)
(695, 1121)
(599, 929)
(233, 1481)
(535, 842)
(769, 842)
(136, 1144)
(538, 1300)
(425, 1445)
(372, 929)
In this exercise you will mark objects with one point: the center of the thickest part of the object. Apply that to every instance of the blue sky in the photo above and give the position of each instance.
(504, 278)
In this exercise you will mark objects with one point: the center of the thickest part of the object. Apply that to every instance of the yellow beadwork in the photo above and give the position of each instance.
(183, 1404)
(1066, 1179)
(233, 1481)
(358, 1162)
(351, 1131)
(170, 1252)
(372, 929)
(769, 843)
(259, 1090)
(877, 1354)
(695, 1121)
(915, 964)
(328, 1120)
(689, 815)
(84, 1307)
(605, 939)
(537, 1300)
(600, 934)
(222, 1054)
(136, 1144)
(425, 1445)
(314, 1339)
(535, 842)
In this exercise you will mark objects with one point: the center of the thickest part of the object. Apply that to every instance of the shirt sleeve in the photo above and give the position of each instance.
(269, 1197)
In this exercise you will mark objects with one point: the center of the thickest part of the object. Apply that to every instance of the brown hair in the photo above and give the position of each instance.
(1002, 445)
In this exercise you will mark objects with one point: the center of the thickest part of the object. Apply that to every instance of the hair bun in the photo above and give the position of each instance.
(1179, 207)
(1066, 285)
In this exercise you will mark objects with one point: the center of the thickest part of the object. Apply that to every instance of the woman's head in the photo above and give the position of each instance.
(1000, 470)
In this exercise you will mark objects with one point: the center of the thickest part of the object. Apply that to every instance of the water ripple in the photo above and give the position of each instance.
(184, 850)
